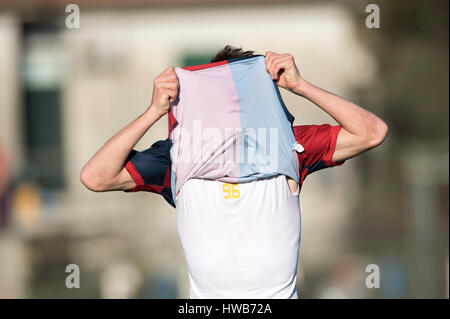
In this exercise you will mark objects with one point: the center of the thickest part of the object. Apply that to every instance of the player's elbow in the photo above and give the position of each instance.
(92, 180)
(378, 134)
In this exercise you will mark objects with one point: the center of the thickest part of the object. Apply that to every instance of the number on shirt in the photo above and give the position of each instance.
(230, 191)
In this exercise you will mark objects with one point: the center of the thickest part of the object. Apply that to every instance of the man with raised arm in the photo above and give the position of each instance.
(239, 240)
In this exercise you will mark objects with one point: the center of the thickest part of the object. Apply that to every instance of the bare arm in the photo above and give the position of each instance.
(361, 129)
(105, 171)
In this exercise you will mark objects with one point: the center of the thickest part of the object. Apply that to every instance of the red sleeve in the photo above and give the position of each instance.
(319, 142)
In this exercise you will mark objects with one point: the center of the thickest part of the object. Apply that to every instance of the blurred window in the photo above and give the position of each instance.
(42, 71)
(197, 58)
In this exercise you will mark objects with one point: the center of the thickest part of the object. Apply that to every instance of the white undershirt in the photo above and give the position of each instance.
(240, 241)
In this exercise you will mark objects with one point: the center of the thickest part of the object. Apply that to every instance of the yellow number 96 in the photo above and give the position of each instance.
(231, 191)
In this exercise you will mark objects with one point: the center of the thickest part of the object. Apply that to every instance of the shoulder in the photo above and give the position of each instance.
(319, 142)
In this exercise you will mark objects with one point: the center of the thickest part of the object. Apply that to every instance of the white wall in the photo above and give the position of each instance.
(10, 130)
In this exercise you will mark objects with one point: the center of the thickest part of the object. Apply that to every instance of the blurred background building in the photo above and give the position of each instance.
(64, 92)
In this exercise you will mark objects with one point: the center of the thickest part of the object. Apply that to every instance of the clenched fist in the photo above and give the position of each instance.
(282, 68)
(165, 91)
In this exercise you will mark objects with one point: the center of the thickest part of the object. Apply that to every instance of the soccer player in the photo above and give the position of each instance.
(239, 240)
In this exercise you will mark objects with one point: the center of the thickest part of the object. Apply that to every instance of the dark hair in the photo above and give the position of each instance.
(229, 52)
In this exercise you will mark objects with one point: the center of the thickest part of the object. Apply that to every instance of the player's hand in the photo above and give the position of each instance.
(165, 91)
(282, 69)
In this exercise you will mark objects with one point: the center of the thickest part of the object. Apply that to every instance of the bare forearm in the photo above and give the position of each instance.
(361, 129)
(106, 170)
(108, 162)
(353, 118)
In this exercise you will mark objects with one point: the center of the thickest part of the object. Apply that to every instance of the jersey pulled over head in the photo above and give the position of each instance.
(230, 124)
